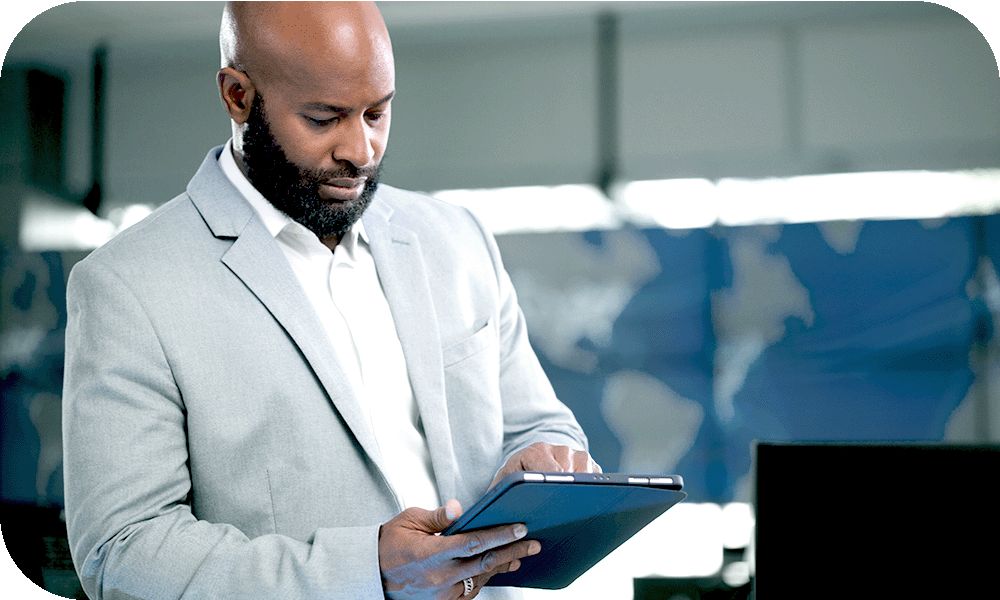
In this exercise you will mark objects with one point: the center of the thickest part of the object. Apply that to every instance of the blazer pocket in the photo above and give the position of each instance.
(471, 345)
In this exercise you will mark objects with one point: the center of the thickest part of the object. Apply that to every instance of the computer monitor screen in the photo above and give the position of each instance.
(885, 520)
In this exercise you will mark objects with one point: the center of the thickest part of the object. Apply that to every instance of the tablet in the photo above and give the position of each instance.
(579, 518)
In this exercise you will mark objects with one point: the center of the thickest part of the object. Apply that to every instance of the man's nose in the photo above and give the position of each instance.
(355, 145)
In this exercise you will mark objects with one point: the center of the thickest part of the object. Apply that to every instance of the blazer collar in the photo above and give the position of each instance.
(225, 212)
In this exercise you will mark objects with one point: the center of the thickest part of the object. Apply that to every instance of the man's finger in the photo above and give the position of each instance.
(484, 540)
(582, 463)
(550, 463)
(510, 567)
(436, 520)
(563, 456)
(505, 568)
(494, 561)
(544, 457)
(578, 461)
(480, 581)
(502, 560)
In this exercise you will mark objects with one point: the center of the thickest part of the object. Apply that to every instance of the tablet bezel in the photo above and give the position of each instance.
(668, 482)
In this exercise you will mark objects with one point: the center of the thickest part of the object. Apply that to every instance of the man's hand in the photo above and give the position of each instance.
(417, 563)
(548, 457)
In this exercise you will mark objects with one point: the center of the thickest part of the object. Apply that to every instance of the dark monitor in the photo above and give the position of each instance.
(876, 520)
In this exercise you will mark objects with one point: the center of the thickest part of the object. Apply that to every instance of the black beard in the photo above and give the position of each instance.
(295, 191)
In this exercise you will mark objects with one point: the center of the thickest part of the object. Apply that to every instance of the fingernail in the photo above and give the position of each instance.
(449, 512)
(515, 565)
(534, 548)
(520, 531)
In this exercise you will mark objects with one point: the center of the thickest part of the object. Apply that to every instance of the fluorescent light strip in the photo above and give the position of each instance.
(701, 203)
(538, 208)
(858, 196)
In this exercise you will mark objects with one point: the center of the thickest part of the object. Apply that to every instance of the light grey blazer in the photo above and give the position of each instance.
(213, 448)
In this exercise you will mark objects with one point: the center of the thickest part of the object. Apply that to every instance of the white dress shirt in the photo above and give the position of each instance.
(344, 289)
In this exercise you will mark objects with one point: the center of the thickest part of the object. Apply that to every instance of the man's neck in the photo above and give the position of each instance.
(331, 242)
(238, 158)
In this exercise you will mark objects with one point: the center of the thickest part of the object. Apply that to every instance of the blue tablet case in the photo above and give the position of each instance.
(579, 518)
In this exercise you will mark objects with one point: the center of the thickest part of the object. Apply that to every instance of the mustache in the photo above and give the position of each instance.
(345, 171)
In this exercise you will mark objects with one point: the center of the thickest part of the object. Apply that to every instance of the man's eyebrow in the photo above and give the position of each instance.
(324, 107)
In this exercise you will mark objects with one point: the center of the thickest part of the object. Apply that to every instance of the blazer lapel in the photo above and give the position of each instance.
(256, 259)
(401, 270)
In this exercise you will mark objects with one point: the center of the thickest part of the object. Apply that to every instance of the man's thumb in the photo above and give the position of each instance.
(440, 519)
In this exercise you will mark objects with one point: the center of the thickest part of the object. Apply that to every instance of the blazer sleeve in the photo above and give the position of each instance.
(128, 488)
(531, 411)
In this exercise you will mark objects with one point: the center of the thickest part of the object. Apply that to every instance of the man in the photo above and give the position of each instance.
(274, 381)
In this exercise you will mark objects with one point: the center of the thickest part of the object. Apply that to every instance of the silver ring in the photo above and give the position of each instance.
(467, 582)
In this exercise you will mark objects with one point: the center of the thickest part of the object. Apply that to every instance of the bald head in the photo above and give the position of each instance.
(268, 39)
(300, 54)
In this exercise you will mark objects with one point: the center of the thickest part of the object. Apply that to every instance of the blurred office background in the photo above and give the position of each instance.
(726, 222)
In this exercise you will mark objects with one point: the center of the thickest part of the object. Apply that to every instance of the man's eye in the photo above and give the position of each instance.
(320, 122)
(375, 117)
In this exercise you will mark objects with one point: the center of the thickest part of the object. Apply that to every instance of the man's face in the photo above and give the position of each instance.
(306, 195)
(314, 148)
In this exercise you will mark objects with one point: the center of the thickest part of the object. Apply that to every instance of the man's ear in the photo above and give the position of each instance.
(237, 93)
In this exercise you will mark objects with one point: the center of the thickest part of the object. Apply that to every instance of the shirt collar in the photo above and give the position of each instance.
(274, 220)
